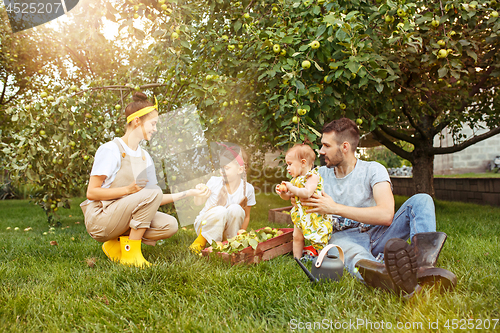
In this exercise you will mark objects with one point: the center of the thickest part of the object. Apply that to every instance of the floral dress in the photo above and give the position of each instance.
(316, 228)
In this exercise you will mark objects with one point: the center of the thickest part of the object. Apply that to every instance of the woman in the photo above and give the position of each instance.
(121, 210)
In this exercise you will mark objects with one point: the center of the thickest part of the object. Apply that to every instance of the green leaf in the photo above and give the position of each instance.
(139, 34)
(237, 25)
(472, 54)
(287, 40)
(353, 66)
(253, 243)
(443, 71)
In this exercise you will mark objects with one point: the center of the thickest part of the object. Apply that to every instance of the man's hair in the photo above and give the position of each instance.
(303, 151)
(345, 130)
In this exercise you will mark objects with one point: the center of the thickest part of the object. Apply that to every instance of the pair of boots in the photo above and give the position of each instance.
(409, 266)
(125, 251)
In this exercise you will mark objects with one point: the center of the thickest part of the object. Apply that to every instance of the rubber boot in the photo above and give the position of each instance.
(131, 253)
(375, 275)
(427, 247)
(112, 249)
(401, 264)
(199, 244)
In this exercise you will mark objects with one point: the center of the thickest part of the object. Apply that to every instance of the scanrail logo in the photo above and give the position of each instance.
(26, 14)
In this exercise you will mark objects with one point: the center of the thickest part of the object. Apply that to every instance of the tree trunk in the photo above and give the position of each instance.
(423, 171)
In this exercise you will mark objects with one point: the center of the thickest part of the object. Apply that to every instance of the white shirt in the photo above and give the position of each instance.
(107, 162)
(215, 185)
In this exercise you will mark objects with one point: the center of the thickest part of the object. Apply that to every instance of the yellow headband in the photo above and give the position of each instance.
(142, 112)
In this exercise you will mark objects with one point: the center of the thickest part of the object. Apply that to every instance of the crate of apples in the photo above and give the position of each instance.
(254, 246)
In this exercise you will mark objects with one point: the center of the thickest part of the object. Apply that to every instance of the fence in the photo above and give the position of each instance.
(484, 191)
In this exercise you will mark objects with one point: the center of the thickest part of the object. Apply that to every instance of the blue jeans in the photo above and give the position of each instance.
(416, 215)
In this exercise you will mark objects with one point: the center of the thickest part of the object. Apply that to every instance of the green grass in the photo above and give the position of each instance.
(52, 288)
(471, 175)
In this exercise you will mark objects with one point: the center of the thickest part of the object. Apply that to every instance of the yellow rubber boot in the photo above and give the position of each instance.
(131, 253)
(112, 249)
(198, 244)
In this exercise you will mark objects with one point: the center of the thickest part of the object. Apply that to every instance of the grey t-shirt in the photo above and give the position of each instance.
(355, 189)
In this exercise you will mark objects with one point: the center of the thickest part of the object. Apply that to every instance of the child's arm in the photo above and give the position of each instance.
(285, 195)
(246, 221)
(308, 190)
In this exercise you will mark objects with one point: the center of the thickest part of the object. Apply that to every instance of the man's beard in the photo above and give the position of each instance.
(338, 158)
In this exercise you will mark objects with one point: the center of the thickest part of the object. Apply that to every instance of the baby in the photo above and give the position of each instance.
(306, 181)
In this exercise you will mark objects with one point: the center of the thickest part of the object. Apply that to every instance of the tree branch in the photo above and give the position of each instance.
(412, 123)
(4, 88)
(379, 136)
(465, 144)
(397, 135)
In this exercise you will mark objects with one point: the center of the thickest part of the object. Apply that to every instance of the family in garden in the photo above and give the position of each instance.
(348, 202)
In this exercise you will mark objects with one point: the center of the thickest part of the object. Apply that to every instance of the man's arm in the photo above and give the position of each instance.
(380, 214)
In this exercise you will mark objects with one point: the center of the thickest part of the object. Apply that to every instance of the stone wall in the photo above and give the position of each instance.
(475, 158)
(484, 191)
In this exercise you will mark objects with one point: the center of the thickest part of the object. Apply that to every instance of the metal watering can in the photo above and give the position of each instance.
(326, 266)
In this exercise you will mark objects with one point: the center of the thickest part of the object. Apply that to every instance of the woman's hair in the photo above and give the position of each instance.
(227, 155)
(140, 101)
(303, 151)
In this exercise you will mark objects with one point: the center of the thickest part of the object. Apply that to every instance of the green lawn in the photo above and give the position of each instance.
(471, 175)
(52, 288)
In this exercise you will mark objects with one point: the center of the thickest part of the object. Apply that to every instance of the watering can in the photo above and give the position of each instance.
(326, 266)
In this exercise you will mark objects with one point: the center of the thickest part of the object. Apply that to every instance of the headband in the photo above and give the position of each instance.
(143, 111)
(235, 154)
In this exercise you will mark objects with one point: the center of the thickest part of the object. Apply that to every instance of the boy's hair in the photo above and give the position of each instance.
(303, 151)
(227, 155)
(345, 130)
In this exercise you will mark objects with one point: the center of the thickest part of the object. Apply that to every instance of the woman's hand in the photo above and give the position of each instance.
(136, 186)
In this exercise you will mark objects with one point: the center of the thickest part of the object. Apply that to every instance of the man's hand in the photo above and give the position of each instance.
(323, 204)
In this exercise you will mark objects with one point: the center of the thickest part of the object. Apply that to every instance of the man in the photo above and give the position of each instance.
(360, 194)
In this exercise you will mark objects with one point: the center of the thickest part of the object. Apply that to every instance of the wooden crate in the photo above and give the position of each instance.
(266, 250)
(276, 215)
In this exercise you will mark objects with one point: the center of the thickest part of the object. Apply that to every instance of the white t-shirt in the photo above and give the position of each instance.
(107, 161)
(215, 185)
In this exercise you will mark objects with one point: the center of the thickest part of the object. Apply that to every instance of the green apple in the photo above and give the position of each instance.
(389, 19)
(494, 14)
(342, 106)
(306, 64)
(174, 178)
(276, 48)
(230, 47)
(71, 123)
(180, 140)
(164, 7)
(401, 12)
(442, 54)
(225, 104)
(175, 35)
(315, 45)
(441, 42)
(246, 15)
(43, 94)
(295, 119)
(359, 121)
(136, 16)
(42, 132)
(283, 53)
(302, 112)
(435, 23)
(332, 66)
(50, 98)
(327, 79)
(86, 157)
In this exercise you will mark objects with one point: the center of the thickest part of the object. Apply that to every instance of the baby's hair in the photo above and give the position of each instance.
(227, 155)
(303, 151)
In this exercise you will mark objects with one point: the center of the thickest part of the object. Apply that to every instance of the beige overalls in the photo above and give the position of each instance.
(109, 219)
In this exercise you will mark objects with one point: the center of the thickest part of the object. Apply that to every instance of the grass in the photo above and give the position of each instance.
(471, 175)
(53, 289)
